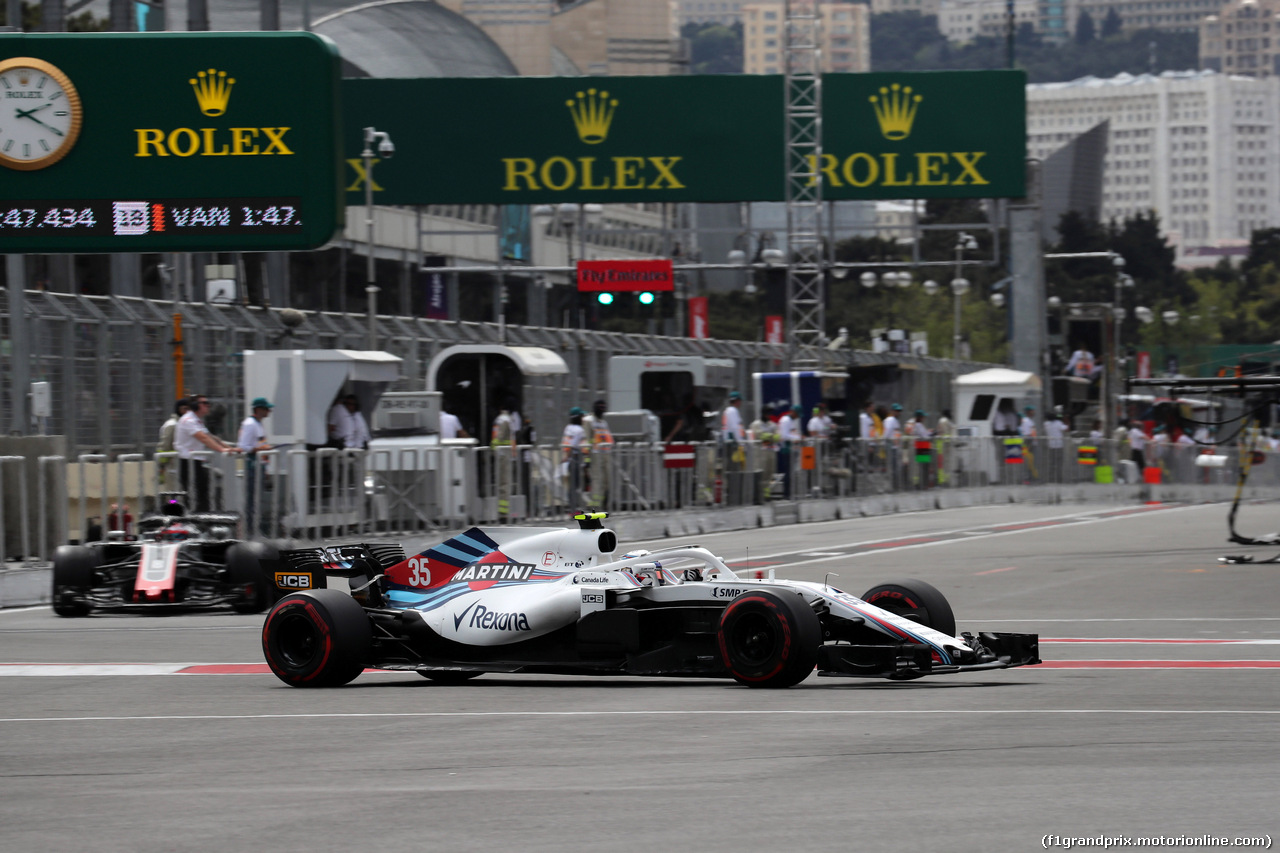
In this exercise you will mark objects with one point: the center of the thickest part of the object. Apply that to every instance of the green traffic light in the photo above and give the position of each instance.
(605, 298)
(646, 298)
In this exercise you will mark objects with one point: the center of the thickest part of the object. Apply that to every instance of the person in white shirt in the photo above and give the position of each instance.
(892, 427)
(819, 426)
(788, 434)
(1055, 429)
(571, 447)
(188, 437)
(450, 426)
(1027, 426)
(252, 438)
(731, 429)
(357, 437)
(1137, 445)
(1082, 365)
(339, 423)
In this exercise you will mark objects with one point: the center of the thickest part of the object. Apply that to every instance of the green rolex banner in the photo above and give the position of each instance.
(535, 140)
(938, 134)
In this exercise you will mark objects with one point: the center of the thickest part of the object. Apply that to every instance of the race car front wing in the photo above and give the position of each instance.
(913, 660)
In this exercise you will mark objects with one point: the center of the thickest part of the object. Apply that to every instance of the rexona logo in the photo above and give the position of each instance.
(592, 113)
(212, 90)
(491, 620)
(495, 572)
(895, 109)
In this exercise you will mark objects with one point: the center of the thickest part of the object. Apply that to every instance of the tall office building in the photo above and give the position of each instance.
(1243, 38)
(845, 37)
(961, 21)
(618, 36)
(1176, 16)
(1199, 148)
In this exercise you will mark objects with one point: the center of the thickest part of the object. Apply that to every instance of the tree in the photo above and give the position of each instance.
(1085, 30)
(1111, 24)
(714, 48)
(31, 16)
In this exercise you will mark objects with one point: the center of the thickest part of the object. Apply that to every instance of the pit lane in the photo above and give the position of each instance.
(1156, 714)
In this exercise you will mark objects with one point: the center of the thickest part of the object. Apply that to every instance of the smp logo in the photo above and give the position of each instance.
(294, 581)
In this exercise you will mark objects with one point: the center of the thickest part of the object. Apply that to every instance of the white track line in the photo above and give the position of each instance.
(703, 713)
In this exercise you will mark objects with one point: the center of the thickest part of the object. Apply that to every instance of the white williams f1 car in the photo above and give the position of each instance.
(555, 600)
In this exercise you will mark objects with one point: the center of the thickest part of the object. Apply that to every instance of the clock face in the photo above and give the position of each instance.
(39, 114)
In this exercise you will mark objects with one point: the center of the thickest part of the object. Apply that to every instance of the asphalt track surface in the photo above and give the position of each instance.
(1155, 714)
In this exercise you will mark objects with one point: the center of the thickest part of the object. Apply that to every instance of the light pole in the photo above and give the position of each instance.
(960, 285)
(1123, 280)
(385, 149)
(572, 217)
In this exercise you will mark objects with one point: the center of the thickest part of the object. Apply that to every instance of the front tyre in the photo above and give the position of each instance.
(768, 639)
(317, 639)
(73, 568)
(914, 600)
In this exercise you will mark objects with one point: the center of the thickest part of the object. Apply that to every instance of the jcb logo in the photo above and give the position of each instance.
(285, 581)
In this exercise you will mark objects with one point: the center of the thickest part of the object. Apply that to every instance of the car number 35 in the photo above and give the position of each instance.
(419, 574)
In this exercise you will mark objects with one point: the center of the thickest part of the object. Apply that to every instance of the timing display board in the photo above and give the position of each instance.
(217, 142)
(718, 138)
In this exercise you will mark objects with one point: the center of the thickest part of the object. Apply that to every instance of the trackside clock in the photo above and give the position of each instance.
(40, 114)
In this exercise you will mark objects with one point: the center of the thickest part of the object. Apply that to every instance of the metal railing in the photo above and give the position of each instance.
(318, 495)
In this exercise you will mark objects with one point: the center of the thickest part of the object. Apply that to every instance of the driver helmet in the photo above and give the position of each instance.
(177, 532)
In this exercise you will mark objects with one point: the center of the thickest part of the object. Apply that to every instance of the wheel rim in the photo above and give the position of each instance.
(755, 639)
(297, 640)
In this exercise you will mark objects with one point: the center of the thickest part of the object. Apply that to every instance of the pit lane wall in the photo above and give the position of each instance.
(651, 490)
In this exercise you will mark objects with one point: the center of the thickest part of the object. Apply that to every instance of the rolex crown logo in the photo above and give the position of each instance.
(213, 90)
(592, 114)
(896, 110)
(23, 78)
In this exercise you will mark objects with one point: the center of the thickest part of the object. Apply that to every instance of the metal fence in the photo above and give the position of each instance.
(110, 361)
(324, 494)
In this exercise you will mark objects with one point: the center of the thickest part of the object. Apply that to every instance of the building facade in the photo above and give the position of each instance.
(961, 21)
(1243, 38)
(1181, 16)
(845, 40)
(724, 12)
(924, 7)
(619, 36)
(522, 28)
(1199, 149)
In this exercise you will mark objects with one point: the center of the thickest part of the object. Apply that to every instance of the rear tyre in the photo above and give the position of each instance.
(317, 639)
(769, 639)
(914, 600)
(449, 676)
(73, 568)
(247, 564)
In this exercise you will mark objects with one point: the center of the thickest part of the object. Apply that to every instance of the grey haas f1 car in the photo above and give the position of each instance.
(175, 562)
(555, 600)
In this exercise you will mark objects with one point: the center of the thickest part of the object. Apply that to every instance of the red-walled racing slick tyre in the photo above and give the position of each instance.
(769, 639)
(319, 638)
(915, 600)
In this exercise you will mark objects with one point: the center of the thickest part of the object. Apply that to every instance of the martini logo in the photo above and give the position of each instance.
(213, 90)
(896, 110)
(592, 115)
(213, 93)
